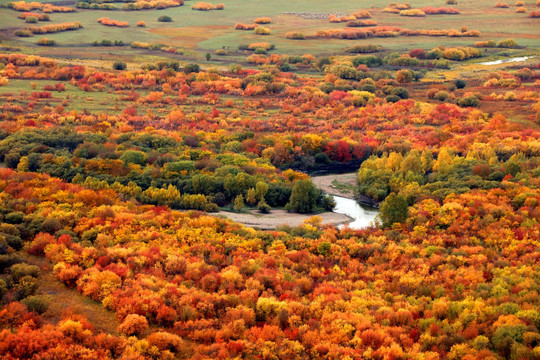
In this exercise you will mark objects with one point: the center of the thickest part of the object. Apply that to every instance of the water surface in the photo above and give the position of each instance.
(504, 61)
(363, 216)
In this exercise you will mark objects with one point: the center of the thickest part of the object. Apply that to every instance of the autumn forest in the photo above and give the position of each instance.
(142, 142)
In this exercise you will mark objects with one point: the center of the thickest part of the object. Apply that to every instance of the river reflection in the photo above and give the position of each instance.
(363, 216)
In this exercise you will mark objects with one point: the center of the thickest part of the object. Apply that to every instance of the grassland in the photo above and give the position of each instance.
(208, 31)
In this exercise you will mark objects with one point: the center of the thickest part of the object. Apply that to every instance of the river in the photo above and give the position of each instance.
(363, 216)
(504, 61)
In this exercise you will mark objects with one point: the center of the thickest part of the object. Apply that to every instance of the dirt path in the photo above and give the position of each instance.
(281, 217)
(340, 185)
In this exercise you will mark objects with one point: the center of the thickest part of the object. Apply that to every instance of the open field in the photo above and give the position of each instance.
(208, 31)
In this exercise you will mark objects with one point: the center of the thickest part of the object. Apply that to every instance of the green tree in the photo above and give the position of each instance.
(328, 202)
(251, 197)
(133, 157)
(238, 203)
(263, 207)
(119, 65)
(393, 209)
(261, 188)
(303, 197)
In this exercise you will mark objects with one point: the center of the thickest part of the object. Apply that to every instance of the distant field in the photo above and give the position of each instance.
(208, 31)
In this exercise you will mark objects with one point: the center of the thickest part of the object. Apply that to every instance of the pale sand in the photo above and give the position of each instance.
(281, 217)
(325, 184)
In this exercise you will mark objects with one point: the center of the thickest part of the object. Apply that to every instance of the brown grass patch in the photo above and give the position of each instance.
(191, 36)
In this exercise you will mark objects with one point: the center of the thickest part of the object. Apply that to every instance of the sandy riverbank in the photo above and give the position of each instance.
(345, 184)
(281, 217)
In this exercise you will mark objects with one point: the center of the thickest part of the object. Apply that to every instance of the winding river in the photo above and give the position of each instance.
(504, 61)
(363, 216)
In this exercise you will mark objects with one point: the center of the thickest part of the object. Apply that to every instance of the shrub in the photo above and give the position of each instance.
(534, 14)
(520, 3)
(521, 10)
(40, 17)
(454, 54)
(404, 76)
(362, 14)
(53, 28)
(166, 341)
(13, 241)
(240, 26)
(436, 53)
(412, 12)
(26, 286)
(295, 35)
(15, 217)
(133, 324)
(461, 53)
(508, 43)
(440, 11)
(141, 24)
(417, 53)
(488, 44)
(23, 33)
(460, 83)
(36, 304)
(31, 19)
(501, 5)
(260, 30)
(469, 100)
(361, 23)
(7, 261)
(402, 93)
(391, 10)
(263, 45)
(370, 61)
(192, 68)
(524, 74)
(119, 65)
(392, 98)
(510, 96)
(404, 60)
(441, 95)
(263, 207)
(19, 271)
(398, 6)
(451, 2)
(164, 18)
(41, 240)
(3, 288)
(46, 42)
(202, 6)
(262, 20)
